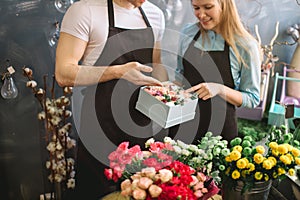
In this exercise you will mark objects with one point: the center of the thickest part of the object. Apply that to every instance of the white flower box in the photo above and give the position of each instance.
(165, 114)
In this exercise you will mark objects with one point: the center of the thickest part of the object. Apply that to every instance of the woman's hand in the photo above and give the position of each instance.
(206, 90)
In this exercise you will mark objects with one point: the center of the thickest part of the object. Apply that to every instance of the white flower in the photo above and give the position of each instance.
(42, 115)
(71, 183)
(182, 144)
(185, 152)
(149, 142)
(193, 148)
(48, 164)
(177, 149)
(169, 140)
(51, 147)
(58, 178)
(31, 84)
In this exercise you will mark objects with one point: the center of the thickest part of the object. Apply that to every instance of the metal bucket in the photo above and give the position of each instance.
(260, 191)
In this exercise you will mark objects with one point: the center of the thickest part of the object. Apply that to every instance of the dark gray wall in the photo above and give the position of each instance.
(24, 32)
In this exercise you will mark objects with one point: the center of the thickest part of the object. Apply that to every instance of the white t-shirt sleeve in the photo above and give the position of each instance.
(76, 21)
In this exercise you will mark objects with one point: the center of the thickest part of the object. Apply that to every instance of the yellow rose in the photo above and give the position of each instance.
(295, 152)
(267, 164)
(235, 155)
(266, 177)
(258, 158)
(273, 145)
(235, 174)
(260, 149)
(258, 176)
(272, 160)
(251, 167)
(228, 159)
(275, 175)
(282, 149)
(238, 148)
(291, 172)
(285, 159)
(297, 160)
(281, 171)
(290, 156)
(288, 146)
(241, 163)
(275, 152)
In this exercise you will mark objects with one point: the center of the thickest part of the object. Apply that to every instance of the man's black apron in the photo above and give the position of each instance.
(215, 115)
(115, 107)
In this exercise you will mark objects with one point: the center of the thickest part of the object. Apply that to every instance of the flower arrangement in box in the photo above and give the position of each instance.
(270, 160)
(170, 93)
(161, 172)
(54, 113)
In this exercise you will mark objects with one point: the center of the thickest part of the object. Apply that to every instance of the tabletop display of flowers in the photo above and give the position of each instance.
(161, 172)
(271, 160)
(55, 113)
(170, 94)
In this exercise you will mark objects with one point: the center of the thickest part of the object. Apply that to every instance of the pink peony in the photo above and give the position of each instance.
(165, 175)
(125, 184)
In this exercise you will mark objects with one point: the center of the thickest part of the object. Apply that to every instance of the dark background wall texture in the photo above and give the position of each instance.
(25, 29)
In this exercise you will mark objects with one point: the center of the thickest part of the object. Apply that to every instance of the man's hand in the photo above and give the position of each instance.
(132, 72)
(206, 90)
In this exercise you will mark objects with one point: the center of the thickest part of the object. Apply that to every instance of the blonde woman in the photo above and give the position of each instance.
(220, 61)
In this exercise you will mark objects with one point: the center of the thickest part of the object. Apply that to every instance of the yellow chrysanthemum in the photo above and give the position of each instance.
(291, 172)
(297, 161)
(235, 155)
(266, 177)
(291, 157)
(282, 149)
(241, 163)
(258, 176)
(272, 160)
(260, 149)
(228, 159)
(235, 174)
(285, 159)
(288, 146)
(281, 171)
(273, 145)
(275, 152)
(251, 167)
(258, 158)
(295, 152)
(238, 148)
(244, 173)
(267, 164)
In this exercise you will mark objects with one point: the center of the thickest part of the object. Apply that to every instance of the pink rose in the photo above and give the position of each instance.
(145, 183)
(149, 172)
(194, 181)
(201, 176)
(139, 194)
(108, 173)
(125, 184)
(165, 175)
(199, 186)
(126, 192)
(155, 191)
(198, 194)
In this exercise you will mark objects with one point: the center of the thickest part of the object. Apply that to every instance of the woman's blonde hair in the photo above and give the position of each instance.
(232, 29)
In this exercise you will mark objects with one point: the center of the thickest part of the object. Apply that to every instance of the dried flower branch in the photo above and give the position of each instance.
(54, 114)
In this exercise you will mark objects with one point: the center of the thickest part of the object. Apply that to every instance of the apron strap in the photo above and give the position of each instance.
(111, 14)
(111, 18)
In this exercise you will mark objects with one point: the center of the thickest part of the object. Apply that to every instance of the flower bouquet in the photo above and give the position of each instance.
(161, 172)
(249, 163)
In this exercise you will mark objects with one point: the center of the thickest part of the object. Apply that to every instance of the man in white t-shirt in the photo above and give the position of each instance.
(117, 43)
